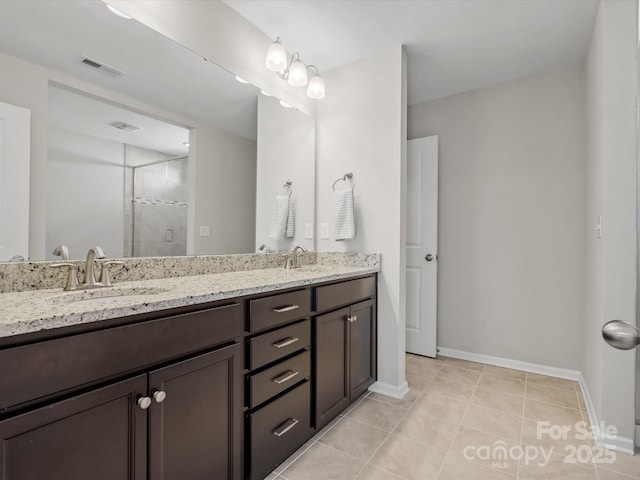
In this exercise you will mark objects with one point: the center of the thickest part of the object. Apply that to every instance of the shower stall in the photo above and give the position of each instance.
(156, 208)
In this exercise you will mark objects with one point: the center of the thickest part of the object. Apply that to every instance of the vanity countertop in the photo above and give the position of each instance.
(32, 311)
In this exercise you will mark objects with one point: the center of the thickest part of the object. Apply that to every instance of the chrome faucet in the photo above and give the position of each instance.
(297, 251)
(264, 247)
(61, 251)
(89, 267)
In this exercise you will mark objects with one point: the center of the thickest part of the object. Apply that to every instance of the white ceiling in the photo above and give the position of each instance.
(452, 45)
(80, 113)
(55, 33)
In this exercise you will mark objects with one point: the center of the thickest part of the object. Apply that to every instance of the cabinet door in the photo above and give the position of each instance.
(195, 432)
(332, 391)
(362, 338)
(98, 435)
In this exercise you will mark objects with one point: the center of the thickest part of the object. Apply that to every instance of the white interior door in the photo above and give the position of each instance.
(422, 245)
(14, 181)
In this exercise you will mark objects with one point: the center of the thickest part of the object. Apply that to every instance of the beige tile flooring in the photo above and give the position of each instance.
(453, 424)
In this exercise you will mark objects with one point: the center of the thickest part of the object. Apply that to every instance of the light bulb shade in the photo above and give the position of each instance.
(315, 89)
(297, 74)
(276, 57)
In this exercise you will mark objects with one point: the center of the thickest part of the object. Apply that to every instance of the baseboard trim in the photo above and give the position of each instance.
(564, 373)
(637, 435)
(620, 444)
(395, 391)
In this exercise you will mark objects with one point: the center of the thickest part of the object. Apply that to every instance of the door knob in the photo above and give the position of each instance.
(429, 257)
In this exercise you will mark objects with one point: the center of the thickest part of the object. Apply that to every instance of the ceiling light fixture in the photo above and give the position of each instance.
(294, 71)
(118, 12)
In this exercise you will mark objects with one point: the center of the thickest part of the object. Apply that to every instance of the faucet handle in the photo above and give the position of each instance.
(104, 273)
(72, 277)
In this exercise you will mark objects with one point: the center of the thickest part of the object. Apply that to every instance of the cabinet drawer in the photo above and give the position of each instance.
(280, 343)
(277, 309)
(278, 429)
(39, 370)
(278, 378)
(344, 293)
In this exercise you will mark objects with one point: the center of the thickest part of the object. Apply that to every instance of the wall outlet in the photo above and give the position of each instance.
(324, 231)
(308, 230)
(205, 231)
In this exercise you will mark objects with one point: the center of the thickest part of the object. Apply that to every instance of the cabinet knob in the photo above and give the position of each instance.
(144, 402)
(349, 319)
(355, 318)
(159, 396)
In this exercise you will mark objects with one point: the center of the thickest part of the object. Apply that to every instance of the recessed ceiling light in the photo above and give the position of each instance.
(118, 12)
(266, 94)
(240, 79)
(285, 104)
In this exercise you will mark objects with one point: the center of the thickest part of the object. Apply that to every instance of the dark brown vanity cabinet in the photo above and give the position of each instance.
(278, 382)
(182, 419)
(345, 346)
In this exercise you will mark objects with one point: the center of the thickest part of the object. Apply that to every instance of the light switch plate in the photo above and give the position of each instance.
(308, 230)
(324, 231)
(204, 231)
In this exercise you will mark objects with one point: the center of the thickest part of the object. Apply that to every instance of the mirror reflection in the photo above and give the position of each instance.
(144, 192)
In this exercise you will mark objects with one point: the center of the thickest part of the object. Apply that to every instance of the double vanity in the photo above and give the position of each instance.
(219, 375)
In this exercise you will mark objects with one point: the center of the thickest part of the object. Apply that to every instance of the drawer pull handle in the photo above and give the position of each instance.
(285, 342)
(144, 402)
(285, 377)
(285, 427)
(288, 308)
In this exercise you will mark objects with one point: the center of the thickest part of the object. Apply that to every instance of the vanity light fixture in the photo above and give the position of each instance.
(118, 12)
(297, 72)
(315, 89)
(265, 93)
(285, 104)
(276, 57)
(240, 79)
(294, 71)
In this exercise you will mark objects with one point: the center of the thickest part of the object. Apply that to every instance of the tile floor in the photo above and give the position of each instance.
(461, 421)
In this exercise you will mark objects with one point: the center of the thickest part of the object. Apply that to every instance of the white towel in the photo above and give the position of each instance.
(344, 220)
(282, 219)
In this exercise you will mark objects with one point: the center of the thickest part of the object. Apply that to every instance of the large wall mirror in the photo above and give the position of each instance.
(145, 148)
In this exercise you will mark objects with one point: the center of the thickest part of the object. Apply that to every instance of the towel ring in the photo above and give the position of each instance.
(348, 175)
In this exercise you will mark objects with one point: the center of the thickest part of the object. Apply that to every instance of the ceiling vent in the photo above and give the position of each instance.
(126, 127)
(94, 64)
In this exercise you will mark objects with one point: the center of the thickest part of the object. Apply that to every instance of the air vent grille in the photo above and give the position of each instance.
(100, 66)
(126, 127)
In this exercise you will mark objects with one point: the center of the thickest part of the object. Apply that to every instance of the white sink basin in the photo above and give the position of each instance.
(108, 295)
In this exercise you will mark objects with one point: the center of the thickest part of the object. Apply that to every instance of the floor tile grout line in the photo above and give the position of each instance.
(368, 462)
(459, 425)
(524, 406)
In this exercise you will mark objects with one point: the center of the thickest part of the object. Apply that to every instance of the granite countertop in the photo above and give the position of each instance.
(32, 311)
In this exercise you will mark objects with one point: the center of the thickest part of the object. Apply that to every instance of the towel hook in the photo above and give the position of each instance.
(287, 184)
(348, 175)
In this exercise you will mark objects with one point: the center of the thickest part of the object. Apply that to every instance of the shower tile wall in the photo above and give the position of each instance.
(155, 204)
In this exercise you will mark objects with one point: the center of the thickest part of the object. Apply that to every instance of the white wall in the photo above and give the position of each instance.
(360, 129)
(511, 219)
(85, 193)
(224, 194)
(610, 262)
(286, 150)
